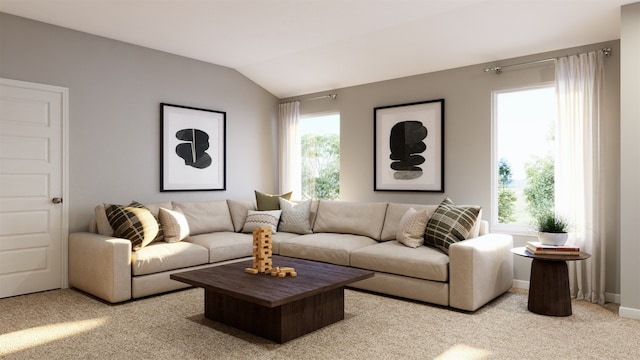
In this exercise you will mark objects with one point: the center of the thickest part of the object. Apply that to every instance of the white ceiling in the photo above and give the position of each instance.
(295, 47)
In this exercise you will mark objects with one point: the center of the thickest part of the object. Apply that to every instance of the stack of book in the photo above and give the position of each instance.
(537, 248)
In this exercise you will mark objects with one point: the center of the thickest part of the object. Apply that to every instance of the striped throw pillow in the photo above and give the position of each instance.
(256, 219)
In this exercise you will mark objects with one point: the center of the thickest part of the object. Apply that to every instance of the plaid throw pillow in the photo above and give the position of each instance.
(450, 224)
(134, 222)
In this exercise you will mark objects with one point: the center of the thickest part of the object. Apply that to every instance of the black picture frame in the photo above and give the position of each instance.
(408, 147)
(192, 149)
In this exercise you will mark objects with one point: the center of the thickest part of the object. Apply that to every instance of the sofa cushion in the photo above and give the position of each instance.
(394, 258)
(478, 226)
(279, 237)
(174, 225)
(394, 213)
(295, 217)
(256, 219)
(326, 247)
(238, 210)
(450, 224)
(102, 223)
(206, 216)
(358, 218)
(267, 202)
(162, 256)
(155, 207)
(225, 245)
(313, 212)
(412, 227)
(133, 222)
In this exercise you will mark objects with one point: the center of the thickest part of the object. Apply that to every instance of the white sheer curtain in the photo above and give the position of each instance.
(289, 149)
(578, 182)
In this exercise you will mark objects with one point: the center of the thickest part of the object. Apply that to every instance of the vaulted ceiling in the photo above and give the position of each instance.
(295, 47)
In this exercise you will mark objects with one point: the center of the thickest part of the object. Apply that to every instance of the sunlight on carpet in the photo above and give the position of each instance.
(24, 339)
(466, 352)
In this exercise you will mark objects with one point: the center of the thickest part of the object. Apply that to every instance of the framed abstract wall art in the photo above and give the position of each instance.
(409, 147)
(193, 143)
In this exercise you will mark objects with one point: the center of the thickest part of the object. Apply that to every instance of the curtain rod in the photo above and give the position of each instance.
(498, 69)
(331, 96)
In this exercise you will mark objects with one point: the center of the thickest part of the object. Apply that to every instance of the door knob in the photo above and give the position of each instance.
(56, 200)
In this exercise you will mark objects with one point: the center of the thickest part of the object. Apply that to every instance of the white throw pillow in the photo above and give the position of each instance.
(412, 226)
(256, 219)
(174, 224)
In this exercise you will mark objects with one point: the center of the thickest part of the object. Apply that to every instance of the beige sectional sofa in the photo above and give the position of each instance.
(357, 234)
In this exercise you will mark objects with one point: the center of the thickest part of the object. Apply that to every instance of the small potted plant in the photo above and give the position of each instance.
(552, 229)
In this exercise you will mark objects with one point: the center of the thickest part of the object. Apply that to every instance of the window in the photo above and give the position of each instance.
(524, 156)
(320, 156)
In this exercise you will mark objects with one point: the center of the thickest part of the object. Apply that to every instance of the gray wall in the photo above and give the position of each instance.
(467, 93)
(115, 91)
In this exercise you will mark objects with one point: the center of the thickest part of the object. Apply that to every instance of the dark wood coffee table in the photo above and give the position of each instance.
(278, 309)
(549, 282)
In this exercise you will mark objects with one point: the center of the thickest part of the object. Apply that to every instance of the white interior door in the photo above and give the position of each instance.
(33, 220)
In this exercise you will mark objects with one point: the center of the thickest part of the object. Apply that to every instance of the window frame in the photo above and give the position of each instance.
(515, 229)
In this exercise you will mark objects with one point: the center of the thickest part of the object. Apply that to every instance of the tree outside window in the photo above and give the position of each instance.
(524, 153)
(320, 157)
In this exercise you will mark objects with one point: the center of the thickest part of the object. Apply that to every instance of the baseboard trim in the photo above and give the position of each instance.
(629, 313)
(521, 284)
(608, 297)
(613, 298)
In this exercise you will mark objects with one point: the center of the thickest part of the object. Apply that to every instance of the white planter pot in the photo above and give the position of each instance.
(555, 239)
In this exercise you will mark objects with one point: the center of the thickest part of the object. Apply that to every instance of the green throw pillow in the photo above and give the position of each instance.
(450, 224)
(267, 202)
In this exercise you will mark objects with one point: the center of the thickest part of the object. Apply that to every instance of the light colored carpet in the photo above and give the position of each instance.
(66, 324)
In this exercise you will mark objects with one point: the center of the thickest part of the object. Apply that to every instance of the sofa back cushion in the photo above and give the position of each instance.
(313, 212)
(239, 210)
(395, 211)
(206, 216)
(358, 218)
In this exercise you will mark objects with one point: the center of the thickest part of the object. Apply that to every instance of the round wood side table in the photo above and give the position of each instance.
(549, 282)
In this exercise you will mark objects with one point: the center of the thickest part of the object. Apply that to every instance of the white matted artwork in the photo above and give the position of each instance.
(409, 147)
(193, 144)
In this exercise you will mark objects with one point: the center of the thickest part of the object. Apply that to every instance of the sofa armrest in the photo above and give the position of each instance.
(100, 265)
(480, 269)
